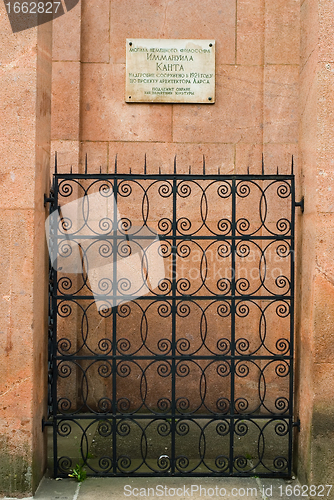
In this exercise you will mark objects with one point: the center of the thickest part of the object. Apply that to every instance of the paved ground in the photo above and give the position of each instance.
(166, 488)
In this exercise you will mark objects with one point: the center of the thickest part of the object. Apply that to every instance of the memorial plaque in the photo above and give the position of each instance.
(170, 71)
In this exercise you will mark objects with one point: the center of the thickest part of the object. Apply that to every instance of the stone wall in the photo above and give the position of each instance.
(25, 98)
(316, 320)
(257, 67)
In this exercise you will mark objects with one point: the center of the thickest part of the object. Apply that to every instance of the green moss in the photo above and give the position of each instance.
(15, 475)
(322, 459)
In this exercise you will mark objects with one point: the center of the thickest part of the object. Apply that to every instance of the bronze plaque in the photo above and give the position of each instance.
(174, 71)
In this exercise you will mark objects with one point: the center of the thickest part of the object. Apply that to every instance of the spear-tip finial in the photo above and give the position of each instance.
(262, 164)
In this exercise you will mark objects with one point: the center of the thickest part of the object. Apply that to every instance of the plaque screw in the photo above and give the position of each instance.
(210, 44)
(129, 97)
(210, 98)
(130, 43)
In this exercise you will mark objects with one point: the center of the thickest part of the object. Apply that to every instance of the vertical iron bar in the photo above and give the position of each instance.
(173, 368)
(54, 334)
(292, 319)
(233, 303)
(114, 321)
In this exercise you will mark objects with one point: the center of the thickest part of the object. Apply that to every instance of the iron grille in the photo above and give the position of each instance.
(190, 375)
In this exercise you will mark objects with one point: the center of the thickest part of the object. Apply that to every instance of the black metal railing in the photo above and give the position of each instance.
(171, 323)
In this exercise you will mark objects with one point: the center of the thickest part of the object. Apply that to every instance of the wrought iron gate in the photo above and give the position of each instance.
(171, 324)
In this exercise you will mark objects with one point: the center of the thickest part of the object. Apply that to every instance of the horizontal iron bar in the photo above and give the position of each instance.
(165, 416)
(192, 298)
(169, 357)
(133, 238)
(193, 474)
(182, 177)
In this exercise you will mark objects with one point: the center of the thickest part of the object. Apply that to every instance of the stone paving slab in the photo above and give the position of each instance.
(179, 488)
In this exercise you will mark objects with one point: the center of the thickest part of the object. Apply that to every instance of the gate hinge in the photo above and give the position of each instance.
(46, 423)
(297, 424)
(49, 199)
(300, 204)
